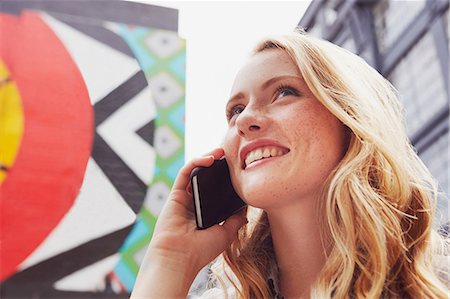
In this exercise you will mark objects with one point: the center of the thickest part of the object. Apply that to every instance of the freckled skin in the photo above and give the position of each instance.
(315, 137)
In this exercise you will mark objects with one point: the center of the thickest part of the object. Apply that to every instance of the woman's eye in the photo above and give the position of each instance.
(284, 91)
(235, 110)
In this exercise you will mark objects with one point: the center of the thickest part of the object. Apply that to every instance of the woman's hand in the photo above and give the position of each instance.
(176, 228)
(177, 248)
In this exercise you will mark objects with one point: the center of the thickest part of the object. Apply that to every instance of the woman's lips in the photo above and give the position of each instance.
(261, 149)
(264, 152)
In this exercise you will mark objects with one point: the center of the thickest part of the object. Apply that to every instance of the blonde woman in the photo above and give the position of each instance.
(345, 206)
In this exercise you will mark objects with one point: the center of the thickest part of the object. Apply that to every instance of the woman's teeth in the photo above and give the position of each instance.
(261, 153)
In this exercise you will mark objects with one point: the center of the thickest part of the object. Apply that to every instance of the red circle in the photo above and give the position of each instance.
(49, 168)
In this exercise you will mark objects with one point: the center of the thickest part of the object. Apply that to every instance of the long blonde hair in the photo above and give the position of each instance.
(377, 205)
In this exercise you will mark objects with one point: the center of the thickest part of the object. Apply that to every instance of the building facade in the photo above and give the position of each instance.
(408, 43)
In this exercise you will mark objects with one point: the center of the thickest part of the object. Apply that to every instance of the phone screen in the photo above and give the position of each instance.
(214, 196)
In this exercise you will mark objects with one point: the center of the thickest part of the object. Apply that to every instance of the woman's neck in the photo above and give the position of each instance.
(298, 247)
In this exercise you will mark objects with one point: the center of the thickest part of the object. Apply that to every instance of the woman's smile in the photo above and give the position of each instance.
(260, 154)
(261, 149)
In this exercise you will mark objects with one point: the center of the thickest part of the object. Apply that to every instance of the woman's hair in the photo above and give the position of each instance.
(377, 205)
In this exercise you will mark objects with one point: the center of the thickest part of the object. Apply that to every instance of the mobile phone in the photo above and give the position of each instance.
(214, 196)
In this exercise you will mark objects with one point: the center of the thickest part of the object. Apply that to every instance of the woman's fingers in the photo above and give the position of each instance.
(184, 175)
(217, 153)
(180, 191)
(183, 178)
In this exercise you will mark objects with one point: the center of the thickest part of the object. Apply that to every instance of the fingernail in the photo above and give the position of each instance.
(189, 189)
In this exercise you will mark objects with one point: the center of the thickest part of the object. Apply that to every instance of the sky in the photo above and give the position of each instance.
(219, 37)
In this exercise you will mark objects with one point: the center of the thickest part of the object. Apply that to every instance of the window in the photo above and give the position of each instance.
(418, 78)
(436, 158)
(392, 17)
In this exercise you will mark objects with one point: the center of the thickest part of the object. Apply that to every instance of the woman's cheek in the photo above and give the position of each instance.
(231, 151)
(227, 147)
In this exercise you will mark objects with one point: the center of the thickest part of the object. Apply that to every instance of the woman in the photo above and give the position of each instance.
(316, 141)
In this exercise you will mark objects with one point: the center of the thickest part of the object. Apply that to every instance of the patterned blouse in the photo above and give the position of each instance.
(219, 293)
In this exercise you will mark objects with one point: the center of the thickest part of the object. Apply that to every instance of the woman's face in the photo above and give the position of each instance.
(281, 143)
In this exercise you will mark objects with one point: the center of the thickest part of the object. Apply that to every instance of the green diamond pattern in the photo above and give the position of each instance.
(161, 54)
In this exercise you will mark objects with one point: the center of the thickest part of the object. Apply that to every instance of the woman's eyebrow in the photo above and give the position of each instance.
(279, 78)
(235, 98)
(265, 85)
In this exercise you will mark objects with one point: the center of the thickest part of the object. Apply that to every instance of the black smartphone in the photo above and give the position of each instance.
(214, 196)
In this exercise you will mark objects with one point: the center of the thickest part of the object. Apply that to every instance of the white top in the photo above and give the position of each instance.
(442, 264)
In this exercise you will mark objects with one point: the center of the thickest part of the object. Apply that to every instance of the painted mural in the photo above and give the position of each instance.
(91, 139)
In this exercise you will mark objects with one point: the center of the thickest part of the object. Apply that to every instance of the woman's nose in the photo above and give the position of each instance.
(251, 121)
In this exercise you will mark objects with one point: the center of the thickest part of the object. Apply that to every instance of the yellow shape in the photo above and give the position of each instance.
(11, 121)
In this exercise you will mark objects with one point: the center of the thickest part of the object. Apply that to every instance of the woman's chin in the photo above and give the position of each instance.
(261, 198)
